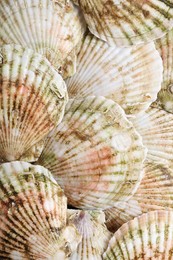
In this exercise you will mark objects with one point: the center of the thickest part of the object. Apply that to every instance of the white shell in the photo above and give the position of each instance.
(32, 100)
(131, 76)
(95, 154)
(95, 236)
(52, 28)
(156, 128)
(155, 192)
(149, 236)
(127, 22)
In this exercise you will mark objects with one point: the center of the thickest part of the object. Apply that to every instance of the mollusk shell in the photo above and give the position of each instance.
(149, 236)
(95, 154)
(52, 28)
(95, 236)
(156, 128)
(127, 22)
(155, 192)
(33, 212)
(32, 100)
(130, 76)
(165, 48)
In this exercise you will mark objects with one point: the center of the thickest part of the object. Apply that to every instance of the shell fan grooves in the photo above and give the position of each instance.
(155, 192)
(51, 28)
(32, 100)
(95, 154)
(132, 76)
(33, 212)
(156, 128)
(149, 236)
(95, 236)
(128, 22)
(165, 48)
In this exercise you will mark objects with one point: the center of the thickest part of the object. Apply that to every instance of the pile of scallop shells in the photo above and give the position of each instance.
(86, 129)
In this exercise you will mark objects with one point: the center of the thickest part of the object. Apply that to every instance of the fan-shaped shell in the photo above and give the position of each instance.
(95, 236)
(52, 28)
(149, 236)
(95, 154)
(127, 22)
(155, 192)
(131, 76)
(156, 128)
(32, 100)
(165, 47)
(33, 213)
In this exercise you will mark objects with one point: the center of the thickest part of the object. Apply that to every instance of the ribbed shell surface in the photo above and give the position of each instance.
(32, 100)
(130, 76)
(127, 22)
(95, 154)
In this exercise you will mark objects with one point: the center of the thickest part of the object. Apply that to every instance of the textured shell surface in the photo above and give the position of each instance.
(33, 213)
(32, 101)
(95, 236)
(95, 154)
(130, 76)
(156, 128)
(52, 28)
(149, 236)
(154, 193)
(165, 48)
(127, 22)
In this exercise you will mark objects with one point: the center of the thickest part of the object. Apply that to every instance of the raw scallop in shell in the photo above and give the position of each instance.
(52, 28)
(33, 214)
(155, 192)
(95, 154)
(165, 48)
(95, 236)
(127, 22)
(32, 101)
(149, 236)
(131, 76)
(156, 128)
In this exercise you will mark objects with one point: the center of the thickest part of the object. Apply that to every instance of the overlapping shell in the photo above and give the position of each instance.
(52, 28)
(154, 193)
(33, 213)
(147, 237)
(131, 76)
(127, 22)
(165, 47)
(32, 100)
(95, 236)
(156, 128)
(95, 154)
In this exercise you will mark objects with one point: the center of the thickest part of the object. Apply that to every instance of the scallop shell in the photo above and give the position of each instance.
(165, 47)
(149, 236)
(95, 236)
(132, 76)
(32, 100)
(33, 213)
(95, 154)
(156, 128)
(127, 22)
(154, 193)
(52, 28)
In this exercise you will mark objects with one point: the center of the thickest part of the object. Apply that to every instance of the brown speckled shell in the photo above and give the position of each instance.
(32, 101)
(95, 154)
(127, 22)
(149, 236)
